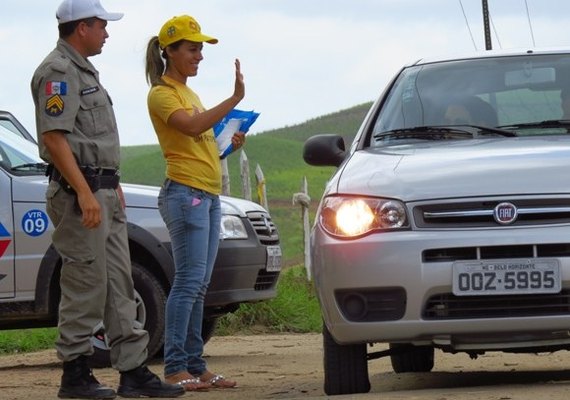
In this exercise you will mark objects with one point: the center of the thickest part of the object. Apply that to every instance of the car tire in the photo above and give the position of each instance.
(150, 299)
(410, 358)
(345, 366)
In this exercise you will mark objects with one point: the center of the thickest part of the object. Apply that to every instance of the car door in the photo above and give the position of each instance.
(24, 224)
(18, 221)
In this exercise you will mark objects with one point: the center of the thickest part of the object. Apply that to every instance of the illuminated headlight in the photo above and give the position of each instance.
(232, 228)
(356, 216)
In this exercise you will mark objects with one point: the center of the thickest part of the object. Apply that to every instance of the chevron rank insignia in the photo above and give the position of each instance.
(54, 106)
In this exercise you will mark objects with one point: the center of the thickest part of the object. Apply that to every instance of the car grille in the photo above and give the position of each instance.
(267, 234)
(496, 252)
(448, 306)
(478, 214)
(264, 227)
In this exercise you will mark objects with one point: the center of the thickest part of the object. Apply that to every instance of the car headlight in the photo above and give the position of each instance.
(350, 217)
(232, 228)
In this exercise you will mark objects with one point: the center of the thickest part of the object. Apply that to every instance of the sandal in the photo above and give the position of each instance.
(217, 381)
(187, 381)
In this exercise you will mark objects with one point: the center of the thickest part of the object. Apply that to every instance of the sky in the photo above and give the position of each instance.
(301, 59)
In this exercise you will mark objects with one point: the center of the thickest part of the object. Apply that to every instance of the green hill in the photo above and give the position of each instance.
(279, 154)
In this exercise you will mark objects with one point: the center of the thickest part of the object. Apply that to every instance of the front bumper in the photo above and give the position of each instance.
(379, 289)
(240, 275)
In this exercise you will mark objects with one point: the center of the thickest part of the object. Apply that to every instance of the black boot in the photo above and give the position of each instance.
(78, 382)
(141, 382)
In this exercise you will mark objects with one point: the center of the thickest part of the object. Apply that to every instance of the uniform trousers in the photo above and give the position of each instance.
(96, 281)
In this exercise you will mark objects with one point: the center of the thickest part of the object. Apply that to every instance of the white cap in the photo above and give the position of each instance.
(73, 10)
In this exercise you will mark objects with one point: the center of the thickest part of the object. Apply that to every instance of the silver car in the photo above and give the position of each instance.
(447, 223)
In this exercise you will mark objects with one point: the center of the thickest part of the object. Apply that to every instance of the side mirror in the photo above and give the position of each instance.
(324, 150)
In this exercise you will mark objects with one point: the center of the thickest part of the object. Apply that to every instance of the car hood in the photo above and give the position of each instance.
(460, 168)
(33, 188)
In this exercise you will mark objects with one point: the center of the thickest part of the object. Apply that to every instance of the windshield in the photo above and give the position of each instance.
(17, 155)
(519, 95)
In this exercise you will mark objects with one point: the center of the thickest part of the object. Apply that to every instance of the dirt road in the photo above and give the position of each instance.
(290, 367)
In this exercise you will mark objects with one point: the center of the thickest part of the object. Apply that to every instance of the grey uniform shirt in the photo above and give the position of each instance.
(69, 97)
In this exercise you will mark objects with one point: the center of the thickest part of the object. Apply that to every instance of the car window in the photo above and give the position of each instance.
(489, 92)
(15, 150)
(7, 127)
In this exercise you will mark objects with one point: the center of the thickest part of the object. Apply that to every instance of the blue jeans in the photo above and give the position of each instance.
(193, 218)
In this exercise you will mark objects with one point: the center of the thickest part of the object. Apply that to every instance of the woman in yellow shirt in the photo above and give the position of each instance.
(189, 198)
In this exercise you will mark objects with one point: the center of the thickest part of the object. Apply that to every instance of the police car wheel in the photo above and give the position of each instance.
(150, 299)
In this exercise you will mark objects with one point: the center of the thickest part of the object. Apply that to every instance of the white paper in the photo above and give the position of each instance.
(224, 139)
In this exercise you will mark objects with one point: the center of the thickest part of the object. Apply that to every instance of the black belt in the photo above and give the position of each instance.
(91, 171)
(97, 178)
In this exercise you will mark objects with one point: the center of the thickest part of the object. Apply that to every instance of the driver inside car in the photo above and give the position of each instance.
(470, 111)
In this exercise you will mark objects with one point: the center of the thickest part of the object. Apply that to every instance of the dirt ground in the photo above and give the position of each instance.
(290, 367)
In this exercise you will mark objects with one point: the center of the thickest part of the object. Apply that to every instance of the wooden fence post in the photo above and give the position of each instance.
(225, 178)
(304, 200)
(261, 190)
(245, 178)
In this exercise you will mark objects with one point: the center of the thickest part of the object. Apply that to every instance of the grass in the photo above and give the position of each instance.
(26, 340)
(295, 309)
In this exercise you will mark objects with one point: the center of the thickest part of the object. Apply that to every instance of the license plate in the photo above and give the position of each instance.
(273, 259)
(519, 276)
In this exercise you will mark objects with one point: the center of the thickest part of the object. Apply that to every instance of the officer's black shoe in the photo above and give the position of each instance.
(78, 382)
(141, 382)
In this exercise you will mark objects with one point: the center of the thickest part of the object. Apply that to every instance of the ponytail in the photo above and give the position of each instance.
(155, 66)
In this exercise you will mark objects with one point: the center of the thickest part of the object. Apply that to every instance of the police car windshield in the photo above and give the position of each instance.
(15, 150)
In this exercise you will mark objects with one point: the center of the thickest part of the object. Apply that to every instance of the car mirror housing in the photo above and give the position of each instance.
(324, 150)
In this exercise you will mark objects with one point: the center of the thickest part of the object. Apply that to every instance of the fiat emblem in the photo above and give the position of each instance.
(505, 213)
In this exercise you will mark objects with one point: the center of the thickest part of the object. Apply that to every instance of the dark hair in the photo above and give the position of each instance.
(67, 28)
(157, 61)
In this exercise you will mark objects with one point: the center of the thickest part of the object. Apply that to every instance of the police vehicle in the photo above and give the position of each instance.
(246, 270)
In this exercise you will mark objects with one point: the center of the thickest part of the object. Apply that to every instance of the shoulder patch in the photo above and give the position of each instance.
(56, 87)
(54, 106)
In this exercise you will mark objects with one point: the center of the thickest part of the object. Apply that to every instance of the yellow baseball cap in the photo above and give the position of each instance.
(182, 27)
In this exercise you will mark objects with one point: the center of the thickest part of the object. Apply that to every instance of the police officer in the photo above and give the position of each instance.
(78, 137)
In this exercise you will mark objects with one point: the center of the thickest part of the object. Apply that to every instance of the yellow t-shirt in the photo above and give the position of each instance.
(192, 161)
